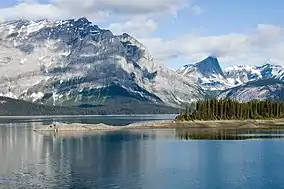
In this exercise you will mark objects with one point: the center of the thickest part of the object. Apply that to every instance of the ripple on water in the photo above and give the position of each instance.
(139, 159)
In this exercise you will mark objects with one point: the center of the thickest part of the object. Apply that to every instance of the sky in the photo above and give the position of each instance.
(177, 32)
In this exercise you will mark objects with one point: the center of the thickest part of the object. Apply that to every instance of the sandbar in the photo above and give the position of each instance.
(221, 124)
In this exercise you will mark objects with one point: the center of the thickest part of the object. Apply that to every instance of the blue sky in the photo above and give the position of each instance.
(222, 17)
(177, 32)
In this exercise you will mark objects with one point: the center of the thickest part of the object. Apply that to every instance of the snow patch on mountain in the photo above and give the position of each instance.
(207, 74)
(256, 90)
(9, 94)
(3, 101)
(51, 62)
(37, 96)
(243, 74)
(242, 83)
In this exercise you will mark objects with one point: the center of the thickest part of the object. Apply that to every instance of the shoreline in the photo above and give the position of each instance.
(89, 115)
(167, 124)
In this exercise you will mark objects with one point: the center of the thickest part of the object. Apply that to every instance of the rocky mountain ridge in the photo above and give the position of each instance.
(243, 83)
(74, 62)
(206, 73)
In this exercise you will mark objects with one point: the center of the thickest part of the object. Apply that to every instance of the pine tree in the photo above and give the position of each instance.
(231, 109)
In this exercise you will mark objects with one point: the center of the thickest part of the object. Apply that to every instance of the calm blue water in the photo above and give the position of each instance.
(150, 159)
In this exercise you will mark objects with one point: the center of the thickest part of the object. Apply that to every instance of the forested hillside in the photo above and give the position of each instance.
(226, 109)
(12, 107)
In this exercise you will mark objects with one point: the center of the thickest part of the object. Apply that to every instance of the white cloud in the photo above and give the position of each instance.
(96, 10)
(267, 34)
(140, 18)
(137, 27)
(265, 43)
(196, 9)
(162, 49)
(27, 1)
(136, 17)
(30, 10)
(141, 7)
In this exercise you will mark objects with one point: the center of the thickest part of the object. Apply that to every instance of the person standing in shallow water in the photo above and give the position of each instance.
(55, 127)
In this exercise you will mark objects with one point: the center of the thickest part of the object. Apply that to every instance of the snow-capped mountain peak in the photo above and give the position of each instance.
(255, 82)
(74, 61)
(207, 67)
(209, 75)
(243, 74)
(206, 73)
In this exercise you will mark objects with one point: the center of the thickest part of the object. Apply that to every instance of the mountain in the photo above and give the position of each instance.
(14, 107)
(255, 82)
(74, 63)
(243, 74)
(243, 83)
(272, 89)
(208, 74)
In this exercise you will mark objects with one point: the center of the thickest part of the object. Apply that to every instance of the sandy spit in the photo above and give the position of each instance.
(165, 124)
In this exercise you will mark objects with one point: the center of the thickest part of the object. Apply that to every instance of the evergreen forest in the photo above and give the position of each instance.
(227, 109)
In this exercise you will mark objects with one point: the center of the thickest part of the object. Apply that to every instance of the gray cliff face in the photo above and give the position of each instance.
(242, 83)
(244, 74)
(255, 82)
(207, 73)
(266, 89)
(74, 62)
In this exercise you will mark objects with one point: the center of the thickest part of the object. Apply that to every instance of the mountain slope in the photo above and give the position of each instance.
(13, 107)
(74, 62)
(272, 89)
(243, 74)
(243, 83)
(207, 73)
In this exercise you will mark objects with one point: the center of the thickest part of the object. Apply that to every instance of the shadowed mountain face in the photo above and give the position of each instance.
(270, 89)
(73, 62)
(244, 74)
(121, 105)
(207, 67)
(207, 74)
(255, 82)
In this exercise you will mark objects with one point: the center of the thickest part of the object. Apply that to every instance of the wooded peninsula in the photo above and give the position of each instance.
(227, 109)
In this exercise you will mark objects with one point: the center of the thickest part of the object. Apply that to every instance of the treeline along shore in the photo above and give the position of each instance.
(224, 113)
(227, 109)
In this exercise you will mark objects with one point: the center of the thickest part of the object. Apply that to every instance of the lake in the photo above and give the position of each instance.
(148, 159)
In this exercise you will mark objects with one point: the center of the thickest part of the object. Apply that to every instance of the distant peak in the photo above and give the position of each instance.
(126, 35)
(267, 65)
(210, 60)
(208, 66)
(83, 20)
(211, 57)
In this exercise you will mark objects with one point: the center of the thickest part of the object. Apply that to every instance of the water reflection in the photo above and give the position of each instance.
(87, 119)
(137, 159)
(103, 160)
(229, 134)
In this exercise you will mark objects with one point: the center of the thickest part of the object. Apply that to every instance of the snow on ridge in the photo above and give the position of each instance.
(53, 62)
(37, 96)
(206, 73)
(233, 76)
(9, 95)
(3, 101)
(36, 26)
(238, 68)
